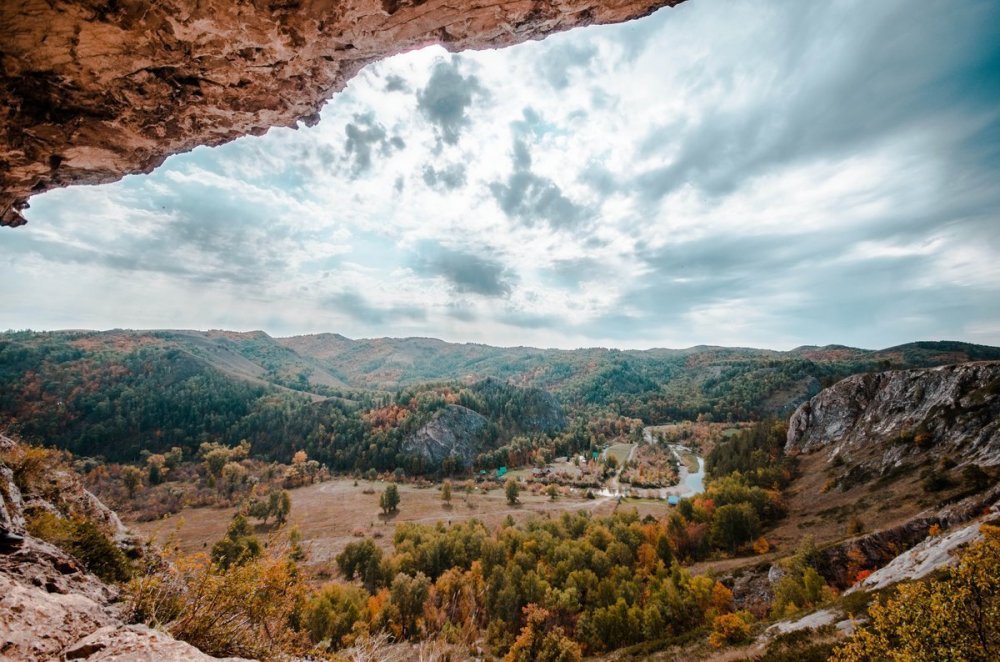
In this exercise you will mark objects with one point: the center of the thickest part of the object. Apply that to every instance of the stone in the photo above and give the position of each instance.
(91, 90)
(953, 409)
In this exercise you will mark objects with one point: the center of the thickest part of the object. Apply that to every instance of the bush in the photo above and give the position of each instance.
(935, 481)
(729, 629)
(246, 610)
(975, 478)
(83, 540)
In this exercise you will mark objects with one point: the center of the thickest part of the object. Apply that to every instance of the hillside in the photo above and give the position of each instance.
(118, 392)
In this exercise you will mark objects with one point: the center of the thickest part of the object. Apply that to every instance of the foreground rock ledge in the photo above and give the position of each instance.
(92, 90)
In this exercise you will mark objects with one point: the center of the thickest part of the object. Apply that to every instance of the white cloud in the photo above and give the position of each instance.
(748, 173)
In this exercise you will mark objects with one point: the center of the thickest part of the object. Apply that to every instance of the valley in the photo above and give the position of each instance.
(497, 501)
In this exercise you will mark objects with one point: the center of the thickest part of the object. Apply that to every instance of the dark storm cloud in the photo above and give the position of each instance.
(466, 272)
(447, 178)
(357, 307)
(446, 99)
(932, 72)
(364, 136)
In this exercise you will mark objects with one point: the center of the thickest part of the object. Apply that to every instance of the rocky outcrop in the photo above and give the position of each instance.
(51, 607)
(879, 548)
(949, 410)
(91, 90)
(454, 431)
(136, 643)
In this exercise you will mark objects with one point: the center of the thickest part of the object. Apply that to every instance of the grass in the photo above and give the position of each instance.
(336, 512)
(620, 452)
(690, 460)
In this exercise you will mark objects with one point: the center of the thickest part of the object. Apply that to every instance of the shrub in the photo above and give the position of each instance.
(83, 540)
(245, 610)
(729, 629)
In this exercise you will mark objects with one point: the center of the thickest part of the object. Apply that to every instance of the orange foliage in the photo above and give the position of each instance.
(761, 546)
(722, 598)
(384, 418)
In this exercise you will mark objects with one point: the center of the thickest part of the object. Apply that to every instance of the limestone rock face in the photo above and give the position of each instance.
(948, 410)
(136, 643)
(454, 431)
(91, 90)
(51, 608)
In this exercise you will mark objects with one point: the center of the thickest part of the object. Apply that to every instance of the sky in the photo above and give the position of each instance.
(733, 172)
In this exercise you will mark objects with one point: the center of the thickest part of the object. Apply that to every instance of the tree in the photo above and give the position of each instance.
(156, 468)
(955, 618)
(362, 559)
(734, 526)
(408, 596)
(389, 501)
(446, 491)
(131, 479)
(331, 614)
(512, 490)
(552, 492)
(283, 507)
(541, 640)
(238, 546)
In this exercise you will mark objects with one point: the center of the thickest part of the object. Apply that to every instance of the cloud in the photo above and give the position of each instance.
(447, 97)
(396, 83)
(447, 178)
(561, 61)
(752, 173)
(363, 135)
(532, 199)
(361, 309)
(466, 272)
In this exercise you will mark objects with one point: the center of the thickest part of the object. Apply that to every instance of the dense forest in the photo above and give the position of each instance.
(118, 393)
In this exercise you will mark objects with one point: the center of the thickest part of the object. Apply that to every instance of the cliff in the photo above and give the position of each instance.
(890, 416)
(454, 431)
(51, 605)
(91, 90)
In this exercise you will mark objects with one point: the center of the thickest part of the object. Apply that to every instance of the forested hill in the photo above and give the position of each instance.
(123, 391)
(655, 385)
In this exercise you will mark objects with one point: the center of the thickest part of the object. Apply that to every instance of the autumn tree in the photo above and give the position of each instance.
(512, 490)
(389, 501)
(408, 597)
(954, 618)
(131, 479)
(541, 640)
(446, 491)
(362, 559)
(330, 615)
(734, 526)
(237, 546)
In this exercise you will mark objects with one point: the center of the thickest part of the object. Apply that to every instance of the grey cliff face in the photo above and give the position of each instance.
(948, 410)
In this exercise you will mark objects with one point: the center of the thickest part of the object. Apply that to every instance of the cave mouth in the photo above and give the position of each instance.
(573, 191)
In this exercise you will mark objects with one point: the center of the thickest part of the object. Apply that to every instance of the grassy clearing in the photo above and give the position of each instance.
(336, 512)
(620, 452)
